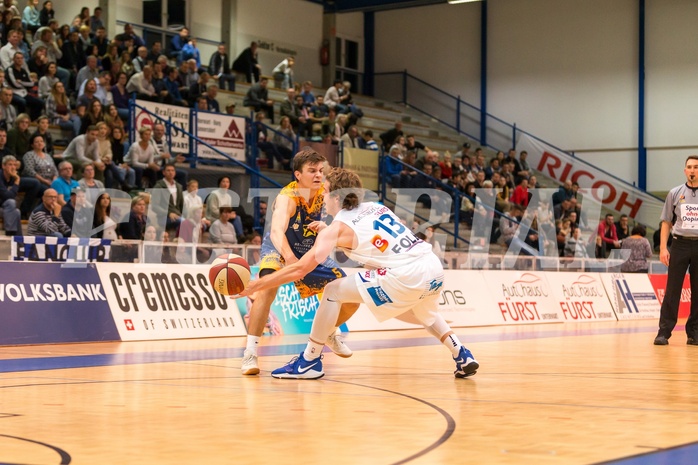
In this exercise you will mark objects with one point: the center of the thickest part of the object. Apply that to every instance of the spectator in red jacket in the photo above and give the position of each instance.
(520, 194)
(606, 237)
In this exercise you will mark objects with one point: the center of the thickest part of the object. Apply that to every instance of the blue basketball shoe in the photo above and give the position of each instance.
(300, 368)
(466, 365)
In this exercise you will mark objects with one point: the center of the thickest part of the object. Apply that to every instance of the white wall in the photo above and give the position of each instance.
(288, 24)
(439, 44)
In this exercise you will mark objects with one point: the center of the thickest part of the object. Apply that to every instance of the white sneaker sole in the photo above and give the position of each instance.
(308, 375)
(250, 371)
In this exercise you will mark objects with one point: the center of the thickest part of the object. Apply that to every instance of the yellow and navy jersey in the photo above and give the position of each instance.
(299, 237)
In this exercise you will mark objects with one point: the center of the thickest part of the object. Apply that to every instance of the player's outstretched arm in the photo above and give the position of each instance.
(324, 244)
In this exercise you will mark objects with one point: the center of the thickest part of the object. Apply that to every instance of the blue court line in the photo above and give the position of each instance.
(678, 455)
(98, 360)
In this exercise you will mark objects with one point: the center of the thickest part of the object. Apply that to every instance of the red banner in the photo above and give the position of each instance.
(659, 283)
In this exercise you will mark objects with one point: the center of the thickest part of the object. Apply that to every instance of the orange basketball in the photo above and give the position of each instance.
(229, 274)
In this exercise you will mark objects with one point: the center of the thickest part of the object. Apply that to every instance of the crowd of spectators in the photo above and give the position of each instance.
(556, 226)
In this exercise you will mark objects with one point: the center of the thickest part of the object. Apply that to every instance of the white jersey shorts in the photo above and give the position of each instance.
(389, 292)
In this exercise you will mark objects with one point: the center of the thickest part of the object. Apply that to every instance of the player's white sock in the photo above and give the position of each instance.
(252, 343)
(440, 330)
(453, 344)
(312, 350)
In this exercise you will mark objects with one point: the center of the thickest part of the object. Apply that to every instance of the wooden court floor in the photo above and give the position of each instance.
(545, 394)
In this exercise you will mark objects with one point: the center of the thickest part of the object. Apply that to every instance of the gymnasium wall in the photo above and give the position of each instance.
(564, 70)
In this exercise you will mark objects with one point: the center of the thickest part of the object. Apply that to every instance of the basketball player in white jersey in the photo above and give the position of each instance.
(403, 277)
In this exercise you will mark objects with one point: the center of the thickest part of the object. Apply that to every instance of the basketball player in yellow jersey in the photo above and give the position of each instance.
(296, 214)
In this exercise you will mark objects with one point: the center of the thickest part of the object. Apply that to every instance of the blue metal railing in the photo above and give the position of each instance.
(461, 116)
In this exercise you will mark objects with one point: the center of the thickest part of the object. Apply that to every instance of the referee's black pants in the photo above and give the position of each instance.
(683, 255)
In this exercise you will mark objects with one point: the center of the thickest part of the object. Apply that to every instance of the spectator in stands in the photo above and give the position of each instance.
(117, 171)
(112, 118)
(88, 93)
(520, 194)
(464, 152)
(172, 87)
(126, 64)
(640, 251)
(388, 137)
(562, 209)
(46, 14)
(47, 81)
(576, 246)
(121, 95)
(168, 199)
(42, 124)
(9, 188)
(18, 137)
(141, 157)
(64, 183)
(8, 113)
(93, 115)
(288, 108)
(58, 110)
(212, 103)
(53, 52)
(608, 237)
(44, 220)
(88, 181)
(101, 41)
(73, 58)
(283, 73)
(76, 214)
(134, 229)
(199, 88)
(307, 93)
(31, 20)
(414, 145)
(222, 231)
(189, 74)
(19, 81)
(246, 64)
(521, 166)
(190, 51)
(284, 139)
(110, 56)
(622, 228)
(38, 62)
(85, 40)
(266, 145)
(84, 149)
(334, 100)
(177, 43)
(162, 153)
(217, 199)
(429, 158)
(141, 84)
(339, 128)
(137, 40)
(141, 59)
(318, 115)
(9, 50)
(83, 19)
(445, 165)
(257, 97)
(351, 138)
(88, 72)
(63, 35)
(103, 224)
(219, 67)
(369, 143)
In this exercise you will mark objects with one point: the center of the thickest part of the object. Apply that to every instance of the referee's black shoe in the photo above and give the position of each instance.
(661, 341)
(692, 342)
